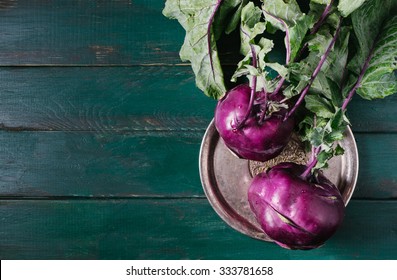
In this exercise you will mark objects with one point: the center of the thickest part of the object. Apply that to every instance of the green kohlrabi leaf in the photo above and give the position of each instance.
(346, 7)
(228, 16)
(251, 26)
(322, 87)
(335, 127)
(368, 22)
(323, 133)
(297, 34)
(301, 72)
(295, 89)
(327, 86)
(323, 158)
(323, 13)
(287, 16)
(279, 68)
(323, 128)
(261, 49)
(376, 57)
(332, 71)
(288, 11)
(331, 78)
(199, 46)
(319, 43)
(332, 131)
(319, 105)
(335, 65)
(380, 78)
(339, 150)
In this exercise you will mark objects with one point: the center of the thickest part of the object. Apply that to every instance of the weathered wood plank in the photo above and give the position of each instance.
(46, 164)
(373, 116)
(136, 98)
(173, 229)
(378, 165)
(130, 98)
(104, 164)
(88, 32)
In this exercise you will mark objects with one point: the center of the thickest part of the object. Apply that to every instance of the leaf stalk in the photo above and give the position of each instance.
(316, 72)
(253, 90)
(210, 22)
(359, 79)
(312, 163)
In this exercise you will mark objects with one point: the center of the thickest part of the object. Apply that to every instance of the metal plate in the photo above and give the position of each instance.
(226, 179)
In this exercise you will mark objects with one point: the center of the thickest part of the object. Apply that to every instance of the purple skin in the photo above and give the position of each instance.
(255, 140)
(296, 213)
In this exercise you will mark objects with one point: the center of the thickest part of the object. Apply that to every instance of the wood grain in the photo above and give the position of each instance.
(141, 229)
(130, 99)
(88, 32)
(42, 164)
(100, 99)
(148, 164)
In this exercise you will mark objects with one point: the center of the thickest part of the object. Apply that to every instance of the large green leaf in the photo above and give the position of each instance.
(380, 78)
(228, 16)
(334, 67)
(376, 54)
(194, 16)
(288, 11)
(368, 22)
(346, 7)
(319, 105)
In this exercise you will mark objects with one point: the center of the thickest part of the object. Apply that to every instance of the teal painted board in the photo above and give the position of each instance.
(129, 99)
(377, 177)
(48, 164)
(145, 164)
(102, 99)
(173, 229)
(379, 115)
(131, 32)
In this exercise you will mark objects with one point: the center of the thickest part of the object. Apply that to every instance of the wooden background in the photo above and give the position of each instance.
(100, 129)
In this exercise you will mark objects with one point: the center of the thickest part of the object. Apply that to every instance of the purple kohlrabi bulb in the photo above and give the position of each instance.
(297, 213)
(255, 140)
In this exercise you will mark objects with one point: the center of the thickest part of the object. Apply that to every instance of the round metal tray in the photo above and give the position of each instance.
(226, 179)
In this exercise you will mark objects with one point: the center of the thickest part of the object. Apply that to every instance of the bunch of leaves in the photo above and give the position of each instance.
(364, 60)
(363, 57)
